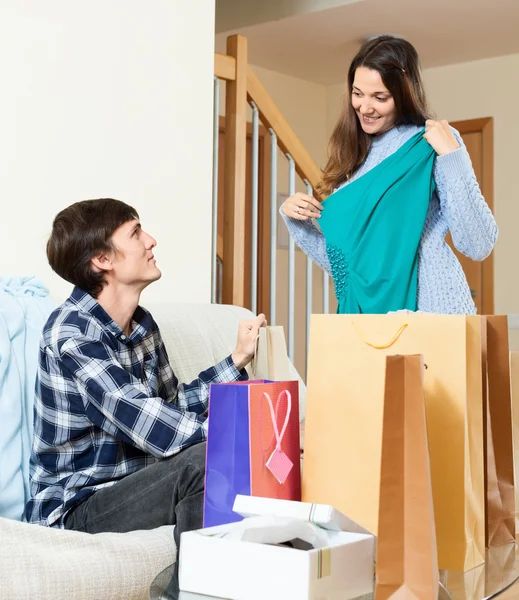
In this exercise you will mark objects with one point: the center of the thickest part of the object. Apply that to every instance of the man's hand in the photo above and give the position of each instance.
(248, 332)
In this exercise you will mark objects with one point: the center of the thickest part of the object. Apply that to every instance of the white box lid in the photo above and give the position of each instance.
(323, 515)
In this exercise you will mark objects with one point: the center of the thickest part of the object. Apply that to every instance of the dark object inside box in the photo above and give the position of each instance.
(296, 544)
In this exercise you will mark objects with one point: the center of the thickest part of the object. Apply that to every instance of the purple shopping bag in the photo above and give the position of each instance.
(253, 446)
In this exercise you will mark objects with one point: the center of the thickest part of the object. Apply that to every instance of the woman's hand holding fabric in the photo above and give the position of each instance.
(302, 207)
(440, 136)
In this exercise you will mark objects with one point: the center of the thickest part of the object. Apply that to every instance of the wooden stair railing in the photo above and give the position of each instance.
(242, 86)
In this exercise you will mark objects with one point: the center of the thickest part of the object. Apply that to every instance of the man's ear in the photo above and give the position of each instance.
(102, 262)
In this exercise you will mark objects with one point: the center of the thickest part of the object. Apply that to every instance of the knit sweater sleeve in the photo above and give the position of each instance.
(309, 238)
(470, 221)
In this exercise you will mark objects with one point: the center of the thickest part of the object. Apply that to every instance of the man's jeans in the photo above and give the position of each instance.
(169, 492)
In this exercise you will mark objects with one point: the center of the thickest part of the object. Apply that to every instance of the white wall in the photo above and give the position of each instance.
(108, 98)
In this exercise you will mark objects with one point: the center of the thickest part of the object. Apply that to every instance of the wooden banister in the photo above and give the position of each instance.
(242, 84)
(288, 141)
(225, 66)
(235, 172)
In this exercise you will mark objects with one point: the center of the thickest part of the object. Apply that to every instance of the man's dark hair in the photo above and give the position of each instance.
(79, 233)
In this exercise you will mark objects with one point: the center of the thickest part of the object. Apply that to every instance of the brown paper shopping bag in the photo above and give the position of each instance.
(344, 420)
(514, 378)
(407, 560)
(499, 458)
(271, 359)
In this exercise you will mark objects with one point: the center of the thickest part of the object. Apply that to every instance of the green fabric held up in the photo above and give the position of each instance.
(373, 227)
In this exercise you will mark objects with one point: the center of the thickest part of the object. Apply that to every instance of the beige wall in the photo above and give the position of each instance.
(98, 100)
(334, 101)
(489, 88)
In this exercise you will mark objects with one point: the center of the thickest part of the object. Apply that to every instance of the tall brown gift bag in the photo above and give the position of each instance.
(407, 560)
(514, 376)
(499, 453)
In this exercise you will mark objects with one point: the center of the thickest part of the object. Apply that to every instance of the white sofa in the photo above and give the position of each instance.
(48, 564)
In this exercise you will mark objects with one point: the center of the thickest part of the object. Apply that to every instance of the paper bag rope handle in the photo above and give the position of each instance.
(279, 436)
(380, 346)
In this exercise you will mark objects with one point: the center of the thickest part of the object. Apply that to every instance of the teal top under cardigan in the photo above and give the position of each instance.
(373, 227)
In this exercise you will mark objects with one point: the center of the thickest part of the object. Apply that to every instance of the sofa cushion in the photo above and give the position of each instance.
(55, 564)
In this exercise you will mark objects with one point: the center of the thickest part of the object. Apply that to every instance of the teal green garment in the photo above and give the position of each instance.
(373, 227)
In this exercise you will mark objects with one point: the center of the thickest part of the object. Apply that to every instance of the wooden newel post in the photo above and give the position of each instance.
(234, 179)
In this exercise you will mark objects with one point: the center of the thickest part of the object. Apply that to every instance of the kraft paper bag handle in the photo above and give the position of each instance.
(380, 346)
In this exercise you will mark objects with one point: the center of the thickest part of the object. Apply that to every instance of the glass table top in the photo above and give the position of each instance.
(499, 572)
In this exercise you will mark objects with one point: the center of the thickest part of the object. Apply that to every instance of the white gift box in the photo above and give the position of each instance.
(244, 561)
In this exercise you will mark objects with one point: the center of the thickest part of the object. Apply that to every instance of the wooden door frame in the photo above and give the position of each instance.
(485, 126)
(263, 287)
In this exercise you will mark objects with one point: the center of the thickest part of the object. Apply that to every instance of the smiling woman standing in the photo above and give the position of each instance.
(397, 182)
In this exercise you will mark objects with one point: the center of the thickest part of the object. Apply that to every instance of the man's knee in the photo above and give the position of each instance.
(195, 455)
(189, 469)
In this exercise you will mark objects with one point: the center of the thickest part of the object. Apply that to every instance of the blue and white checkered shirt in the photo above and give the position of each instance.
(107, 405)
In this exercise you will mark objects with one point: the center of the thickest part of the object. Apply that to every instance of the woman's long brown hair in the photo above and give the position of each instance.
(399, 66)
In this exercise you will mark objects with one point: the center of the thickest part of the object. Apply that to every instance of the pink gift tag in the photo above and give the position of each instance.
(279, 465)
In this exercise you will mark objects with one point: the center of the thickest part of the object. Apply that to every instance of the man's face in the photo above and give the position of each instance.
(133, 264)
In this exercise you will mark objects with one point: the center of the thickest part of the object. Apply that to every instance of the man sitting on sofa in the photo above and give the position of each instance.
(118, 444)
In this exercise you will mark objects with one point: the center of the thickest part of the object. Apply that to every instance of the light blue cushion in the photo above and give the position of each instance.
(24, 309)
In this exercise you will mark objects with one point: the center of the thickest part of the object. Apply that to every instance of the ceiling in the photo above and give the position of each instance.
(235, 14)
(318, 46)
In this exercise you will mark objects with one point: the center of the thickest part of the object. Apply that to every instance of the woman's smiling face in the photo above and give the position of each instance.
(372, 102)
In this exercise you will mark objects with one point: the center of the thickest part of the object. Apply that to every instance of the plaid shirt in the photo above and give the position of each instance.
(107, 405)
